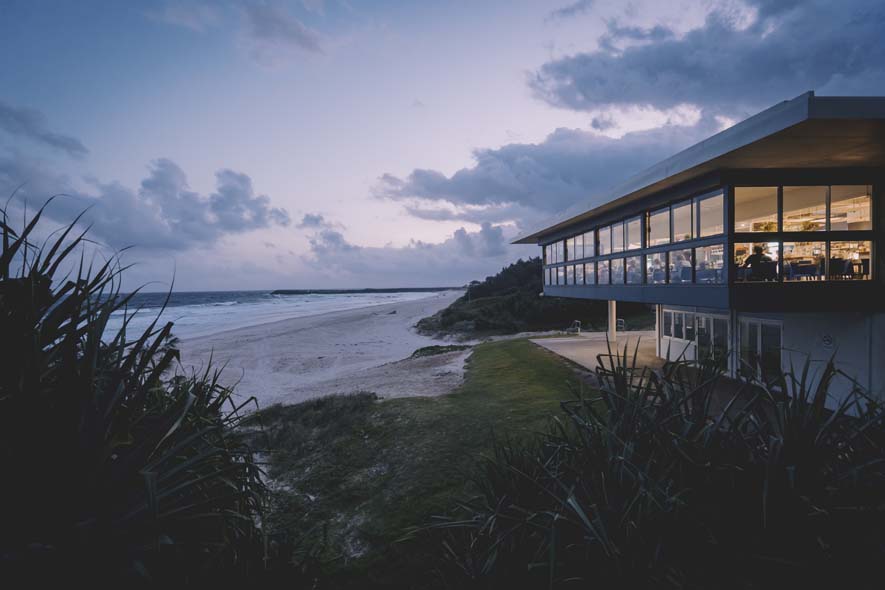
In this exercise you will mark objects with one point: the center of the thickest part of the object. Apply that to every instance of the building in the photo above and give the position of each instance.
(757, 246)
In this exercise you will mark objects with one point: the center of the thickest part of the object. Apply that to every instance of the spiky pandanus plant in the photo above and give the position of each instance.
(643, 485)
(114, 464)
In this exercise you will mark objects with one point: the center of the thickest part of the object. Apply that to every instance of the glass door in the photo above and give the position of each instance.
(760, 349)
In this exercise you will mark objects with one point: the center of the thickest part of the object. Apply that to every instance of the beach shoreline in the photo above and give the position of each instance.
(364, 349)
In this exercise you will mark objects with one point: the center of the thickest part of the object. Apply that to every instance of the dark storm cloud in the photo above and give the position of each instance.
(313, 221)
(270, 25)
(572, 9)
(518, 181)
(31, 124)
(789, 48)
(164, 214)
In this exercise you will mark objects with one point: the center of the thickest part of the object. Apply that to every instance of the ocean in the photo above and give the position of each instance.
(204, 313)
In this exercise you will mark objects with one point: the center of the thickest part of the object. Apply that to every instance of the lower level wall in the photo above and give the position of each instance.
(854, 341)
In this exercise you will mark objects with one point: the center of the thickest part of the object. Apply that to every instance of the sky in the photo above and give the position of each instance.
(239, 144)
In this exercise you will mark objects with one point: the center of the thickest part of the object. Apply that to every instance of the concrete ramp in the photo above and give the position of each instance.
(584, 349)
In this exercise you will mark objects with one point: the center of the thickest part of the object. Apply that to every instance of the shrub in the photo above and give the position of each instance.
(115, 467)
(640, 486)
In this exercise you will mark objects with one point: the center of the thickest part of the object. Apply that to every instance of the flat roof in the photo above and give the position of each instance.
(787, 135)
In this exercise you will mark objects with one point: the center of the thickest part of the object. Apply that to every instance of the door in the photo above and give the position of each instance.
(760, 349)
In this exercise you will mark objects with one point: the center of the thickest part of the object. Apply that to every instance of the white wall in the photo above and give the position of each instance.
(819, 337)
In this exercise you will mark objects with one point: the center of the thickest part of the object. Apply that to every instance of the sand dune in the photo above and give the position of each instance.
(340, 352)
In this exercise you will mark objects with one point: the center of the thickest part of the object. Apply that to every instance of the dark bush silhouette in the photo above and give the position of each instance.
(639, 486)
(115, 467)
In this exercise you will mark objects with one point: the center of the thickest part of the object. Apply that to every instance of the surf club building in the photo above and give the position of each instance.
(758, 246)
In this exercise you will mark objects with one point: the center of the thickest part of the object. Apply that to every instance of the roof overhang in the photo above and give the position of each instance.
(806, 132)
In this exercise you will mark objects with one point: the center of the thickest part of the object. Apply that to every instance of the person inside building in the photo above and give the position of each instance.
(762, 267)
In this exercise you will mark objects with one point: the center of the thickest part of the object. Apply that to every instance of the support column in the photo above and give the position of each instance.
(613, 321)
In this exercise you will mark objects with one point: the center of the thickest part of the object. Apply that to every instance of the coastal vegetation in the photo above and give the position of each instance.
(353, 474)
(640, 485)
(511, 302)
(117, 468)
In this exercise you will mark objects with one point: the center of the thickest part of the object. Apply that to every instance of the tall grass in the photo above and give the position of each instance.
(642, 485)
(116, 466)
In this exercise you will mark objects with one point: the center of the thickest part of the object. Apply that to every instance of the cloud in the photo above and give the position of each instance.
(272, 29)
(462, 257)
(570, 10)
(314, 221)
(195, 16)
(727, 65)
(519, 181)
(31, 124)
(163, 214)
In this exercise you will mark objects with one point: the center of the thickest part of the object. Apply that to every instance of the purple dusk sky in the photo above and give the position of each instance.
(346, 143)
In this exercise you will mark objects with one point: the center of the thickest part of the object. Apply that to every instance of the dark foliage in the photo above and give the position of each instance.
(115, 467)
(511, 302)
(640, 487)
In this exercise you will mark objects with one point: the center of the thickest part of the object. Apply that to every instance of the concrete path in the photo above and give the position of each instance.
(584, 349)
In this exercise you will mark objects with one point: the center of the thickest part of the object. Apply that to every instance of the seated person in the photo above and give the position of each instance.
(761, 265)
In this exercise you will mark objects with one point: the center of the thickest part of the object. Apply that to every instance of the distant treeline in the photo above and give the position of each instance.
(359, 291)
(511, 302)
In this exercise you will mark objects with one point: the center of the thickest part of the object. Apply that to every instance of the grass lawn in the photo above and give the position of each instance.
(352, 473)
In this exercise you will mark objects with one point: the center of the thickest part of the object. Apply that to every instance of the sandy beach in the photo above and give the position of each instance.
(365, 349)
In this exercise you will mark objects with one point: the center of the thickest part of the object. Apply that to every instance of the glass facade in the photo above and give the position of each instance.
(634, 270)
(683, 228)
(634, 234)
(851, 208)
(756, 262)
(602, 275)
(782, 234)
(805, 208)
(617, 270)
(710, 264)
(656, 268)
(755, 209)
(805, 261)
(711, 220)
(604, 244)
(680, 265)
(659, 227)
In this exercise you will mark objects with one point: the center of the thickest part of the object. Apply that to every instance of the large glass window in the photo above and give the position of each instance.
(634, 270)
(589, 245)
(850, 208)
(579, 247)
(570, 249)
(617, 266)
(678, 319)
(850, 261)
(590, 273)
(570, 275)
(634, 234)
(605, 241)
(682, 226)
(668, 323)
(680, 266)
(756, 261)
(755, 209)
(560, 275)
(558, 251)
(579, 274)
(710, 216)
(709, 264)
(602, 272)
(659, 227)
(805, 261)
(618, 237)
(720, 341)
(656, 268)
(805, 208)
